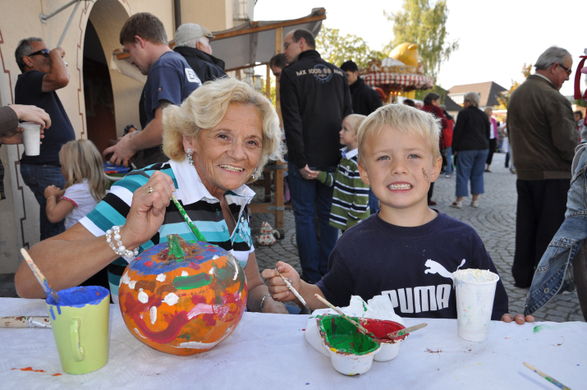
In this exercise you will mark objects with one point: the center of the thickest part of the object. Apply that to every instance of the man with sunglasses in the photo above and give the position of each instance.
(43, 73)
(543, 136)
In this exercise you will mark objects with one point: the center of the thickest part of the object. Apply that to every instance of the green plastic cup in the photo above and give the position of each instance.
(80, 326)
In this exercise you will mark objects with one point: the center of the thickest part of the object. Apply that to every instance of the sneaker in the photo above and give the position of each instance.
(457, 205)
(448, 175)
(513, 170)
(475, 203)
(431, 203)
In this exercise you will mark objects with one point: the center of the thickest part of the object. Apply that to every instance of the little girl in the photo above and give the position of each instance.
(85, 183)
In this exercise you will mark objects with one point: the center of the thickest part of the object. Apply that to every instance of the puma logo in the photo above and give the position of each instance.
(434, 267)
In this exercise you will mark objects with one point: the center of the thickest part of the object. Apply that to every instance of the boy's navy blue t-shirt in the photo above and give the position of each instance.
(413, 266)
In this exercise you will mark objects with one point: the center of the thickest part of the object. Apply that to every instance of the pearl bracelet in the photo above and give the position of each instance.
(113, 239)
(263, 302)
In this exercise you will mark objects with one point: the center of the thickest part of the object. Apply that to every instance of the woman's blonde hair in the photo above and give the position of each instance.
(80, 159)
(206, 107)
(355, 121)
(403, 118)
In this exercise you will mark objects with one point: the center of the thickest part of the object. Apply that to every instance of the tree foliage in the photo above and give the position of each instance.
(423, 23)
(337, 49)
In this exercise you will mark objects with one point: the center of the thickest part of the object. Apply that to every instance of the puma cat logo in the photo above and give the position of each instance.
(434, 267)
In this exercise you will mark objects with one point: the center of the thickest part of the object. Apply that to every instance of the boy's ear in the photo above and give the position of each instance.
(364, 174)
(436, 168)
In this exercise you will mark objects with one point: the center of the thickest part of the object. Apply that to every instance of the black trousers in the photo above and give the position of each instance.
(540, 212)
(492, 146)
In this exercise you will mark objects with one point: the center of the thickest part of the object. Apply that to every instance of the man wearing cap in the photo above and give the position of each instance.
(543, 136)
(170, 80)
(315, 98)
(192, 41)
(44, 72)
(365, 101)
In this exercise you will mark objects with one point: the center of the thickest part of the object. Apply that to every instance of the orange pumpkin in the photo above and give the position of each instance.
(183, 298)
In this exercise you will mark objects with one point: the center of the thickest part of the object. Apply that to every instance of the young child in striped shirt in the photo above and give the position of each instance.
(350, 199)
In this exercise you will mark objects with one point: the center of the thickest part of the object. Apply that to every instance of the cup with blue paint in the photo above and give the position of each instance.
(80, 325)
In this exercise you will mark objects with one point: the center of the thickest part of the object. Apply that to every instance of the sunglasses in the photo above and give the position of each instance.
(43, 52)
(569, 71)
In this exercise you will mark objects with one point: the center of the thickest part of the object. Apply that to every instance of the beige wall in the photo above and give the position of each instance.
(19, 225)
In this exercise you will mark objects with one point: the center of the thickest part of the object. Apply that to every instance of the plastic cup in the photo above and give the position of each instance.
(31, 138)
(80, 326)
(475, 291)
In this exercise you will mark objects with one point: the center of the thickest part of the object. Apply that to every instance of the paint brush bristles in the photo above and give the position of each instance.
(548, 378)
(39, 275)
(349, 319)
(293, 290)
(188, 220)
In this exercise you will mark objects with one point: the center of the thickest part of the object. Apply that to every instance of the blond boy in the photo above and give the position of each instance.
(407, 251)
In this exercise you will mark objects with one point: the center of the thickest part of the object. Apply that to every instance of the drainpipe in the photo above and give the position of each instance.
(177, 10)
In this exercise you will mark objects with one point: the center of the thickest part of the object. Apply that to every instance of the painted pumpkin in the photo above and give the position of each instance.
(183, 298)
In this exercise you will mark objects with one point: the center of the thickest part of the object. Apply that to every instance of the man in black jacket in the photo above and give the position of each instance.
(365, 101)
(193, 42)
(315, 98)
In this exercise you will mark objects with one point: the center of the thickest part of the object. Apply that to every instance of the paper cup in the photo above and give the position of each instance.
(31, 138)
(475, 291)
(80, 326)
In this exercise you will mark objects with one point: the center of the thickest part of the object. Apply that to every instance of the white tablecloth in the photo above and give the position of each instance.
(269, 351)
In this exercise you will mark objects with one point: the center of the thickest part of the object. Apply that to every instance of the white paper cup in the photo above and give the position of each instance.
(475, 291)
(31, 138)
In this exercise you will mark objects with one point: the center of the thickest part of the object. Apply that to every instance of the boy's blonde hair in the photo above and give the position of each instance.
(403, 118)
(355, 121)
(80, 159)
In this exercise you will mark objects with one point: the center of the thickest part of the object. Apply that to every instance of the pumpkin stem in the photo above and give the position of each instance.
(178, 248)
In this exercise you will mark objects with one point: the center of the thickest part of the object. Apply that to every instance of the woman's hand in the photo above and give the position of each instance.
(147, 210)
(519, 318)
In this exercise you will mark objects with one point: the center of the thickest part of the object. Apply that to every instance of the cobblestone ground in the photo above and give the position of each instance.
(494, 220)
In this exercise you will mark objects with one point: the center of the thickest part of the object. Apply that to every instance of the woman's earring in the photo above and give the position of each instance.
(255, 174)
(188, 154)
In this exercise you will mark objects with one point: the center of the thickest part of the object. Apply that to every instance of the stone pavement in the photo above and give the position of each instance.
(494, 220)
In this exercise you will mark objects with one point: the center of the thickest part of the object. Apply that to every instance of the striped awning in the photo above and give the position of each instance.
(398, 81)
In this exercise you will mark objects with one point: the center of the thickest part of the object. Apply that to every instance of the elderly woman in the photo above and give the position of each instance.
(218, 140)
(471, 144)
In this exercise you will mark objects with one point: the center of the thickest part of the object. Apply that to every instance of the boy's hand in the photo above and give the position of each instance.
(277, 287)
(308, 174)
(519, 318)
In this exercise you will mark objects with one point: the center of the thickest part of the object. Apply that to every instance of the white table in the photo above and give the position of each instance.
(269, 351)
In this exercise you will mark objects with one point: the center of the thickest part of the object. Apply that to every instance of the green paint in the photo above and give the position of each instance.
(188, 220)
(341, 335)
(539, 328)
(191, 282)
(177, 248)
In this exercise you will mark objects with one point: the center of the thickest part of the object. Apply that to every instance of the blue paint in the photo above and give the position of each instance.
(78, 297)
(52, 313)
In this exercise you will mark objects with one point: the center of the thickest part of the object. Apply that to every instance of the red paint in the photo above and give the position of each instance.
(381, 328)
(56, 374)
(28, 369)
(167, 335)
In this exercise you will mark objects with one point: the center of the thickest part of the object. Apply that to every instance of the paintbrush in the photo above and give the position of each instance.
(349, 319)
(548, 378)
(25, 322)
(39, 275)
(401, 332)
(293, 290)
(190, 223)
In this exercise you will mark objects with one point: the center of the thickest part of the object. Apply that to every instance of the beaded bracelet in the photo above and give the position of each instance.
(263, 302)
(113, 239)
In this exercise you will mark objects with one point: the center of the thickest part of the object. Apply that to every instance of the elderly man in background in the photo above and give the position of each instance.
(315, 98)
(170, 80)
(543, 137)
(192, 41)
(44, 72)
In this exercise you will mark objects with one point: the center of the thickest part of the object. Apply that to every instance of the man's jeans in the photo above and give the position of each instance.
(310, 197)
(555, 271)
(37, 178)
(449, 164)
